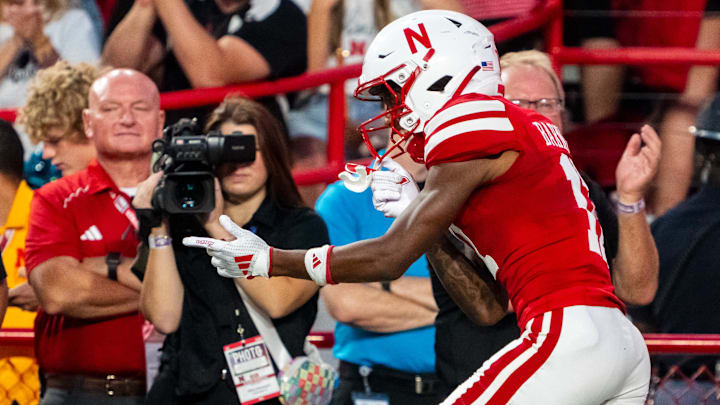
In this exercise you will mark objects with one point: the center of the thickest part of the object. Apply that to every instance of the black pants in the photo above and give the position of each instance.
(402, 388)
(163, 392)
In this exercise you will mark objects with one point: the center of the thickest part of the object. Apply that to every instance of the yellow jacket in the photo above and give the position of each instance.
(12, 241)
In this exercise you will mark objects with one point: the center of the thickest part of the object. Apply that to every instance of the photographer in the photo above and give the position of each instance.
(202, 312)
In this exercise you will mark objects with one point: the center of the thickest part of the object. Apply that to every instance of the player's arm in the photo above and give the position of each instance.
(280, 296)
(408, 304)
(472, 287)
(64, 286)
(369, 307)
(447, 188)
(209, 62)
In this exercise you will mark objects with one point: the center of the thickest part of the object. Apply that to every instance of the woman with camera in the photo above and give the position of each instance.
(212, 337)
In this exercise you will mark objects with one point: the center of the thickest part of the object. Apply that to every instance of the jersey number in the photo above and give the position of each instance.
(581, 193)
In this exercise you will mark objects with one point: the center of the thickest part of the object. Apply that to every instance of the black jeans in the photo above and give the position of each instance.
(401, 387)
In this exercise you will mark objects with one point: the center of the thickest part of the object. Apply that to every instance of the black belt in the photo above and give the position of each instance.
(419, 383)
(110, 384)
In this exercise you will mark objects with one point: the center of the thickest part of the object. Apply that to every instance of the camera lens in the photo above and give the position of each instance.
(189, 195)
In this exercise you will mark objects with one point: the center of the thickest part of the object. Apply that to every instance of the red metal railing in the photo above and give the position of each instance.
(21, 340)
(548, 14)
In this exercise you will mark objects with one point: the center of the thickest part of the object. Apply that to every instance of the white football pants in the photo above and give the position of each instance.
(575, 355)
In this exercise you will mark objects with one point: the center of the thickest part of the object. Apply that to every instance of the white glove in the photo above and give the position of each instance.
(393, 189)
(247, 256)
(356, 177)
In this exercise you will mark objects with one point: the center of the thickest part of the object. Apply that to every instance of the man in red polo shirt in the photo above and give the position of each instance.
(79, 250)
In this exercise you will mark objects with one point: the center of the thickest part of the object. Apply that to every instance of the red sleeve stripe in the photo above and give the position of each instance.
(462, 109)
(496, 124)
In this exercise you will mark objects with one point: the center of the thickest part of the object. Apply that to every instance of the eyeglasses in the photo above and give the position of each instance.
(543, 105)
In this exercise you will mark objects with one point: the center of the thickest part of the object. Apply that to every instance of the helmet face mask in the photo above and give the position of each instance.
(415, 65)
(396, 118)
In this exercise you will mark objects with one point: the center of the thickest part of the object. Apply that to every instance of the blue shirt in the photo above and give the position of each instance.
(351, 217)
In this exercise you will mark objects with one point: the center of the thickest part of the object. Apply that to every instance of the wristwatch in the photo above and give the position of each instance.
(113, 261)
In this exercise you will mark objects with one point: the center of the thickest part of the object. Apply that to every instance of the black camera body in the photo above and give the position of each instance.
(188, 157)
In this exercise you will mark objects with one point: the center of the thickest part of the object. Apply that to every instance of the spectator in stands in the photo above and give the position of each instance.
(688, 240)
(19, 376)
(339, 32)
(3, 291)
(530, 82)
(53, 115)
(587, 24)
(307, 153)
(383, 329)
(210, 43)
(679, 89)
(15, 203)
(14, 198)
(34, 34)
(184, 297)
(80, 247)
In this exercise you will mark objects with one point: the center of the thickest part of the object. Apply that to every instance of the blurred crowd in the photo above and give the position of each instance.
(99, 274)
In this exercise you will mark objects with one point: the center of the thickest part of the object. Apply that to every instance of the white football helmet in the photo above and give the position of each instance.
(415, 65)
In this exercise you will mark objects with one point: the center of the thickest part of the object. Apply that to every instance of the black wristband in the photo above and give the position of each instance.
(149, 218)
(113, 261)
(385, 286)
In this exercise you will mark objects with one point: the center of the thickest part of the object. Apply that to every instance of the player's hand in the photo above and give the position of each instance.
(638, 165)
(393, 189)
(247, 256)
(357, 178)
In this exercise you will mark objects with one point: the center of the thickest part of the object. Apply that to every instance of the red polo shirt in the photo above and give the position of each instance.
(84, 215)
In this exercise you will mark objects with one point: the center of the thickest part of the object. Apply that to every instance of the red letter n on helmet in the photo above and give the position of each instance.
(422, 37)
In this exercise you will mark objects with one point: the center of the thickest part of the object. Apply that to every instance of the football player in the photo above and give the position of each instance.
(501, 179)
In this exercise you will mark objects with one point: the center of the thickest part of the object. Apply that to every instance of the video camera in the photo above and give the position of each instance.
(188, 158)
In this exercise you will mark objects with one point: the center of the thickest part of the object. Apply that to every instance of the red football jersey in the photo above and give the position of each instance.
(534, 226)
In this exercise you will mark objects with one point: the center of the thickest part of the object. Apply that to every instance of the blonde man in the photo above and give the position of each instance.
(53, 114)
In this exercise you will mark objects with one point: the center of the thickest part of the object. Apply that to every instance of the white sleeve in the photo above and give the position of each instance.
(74, 38)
